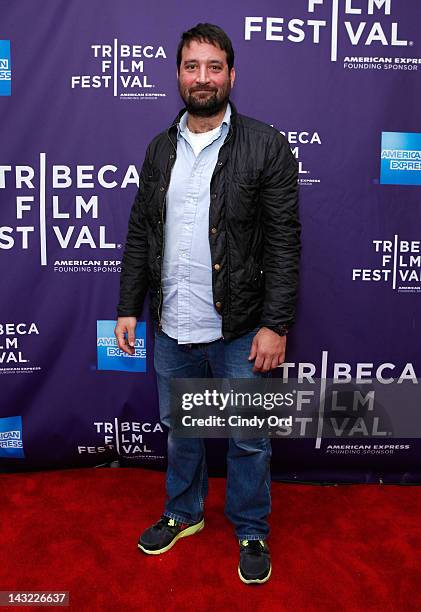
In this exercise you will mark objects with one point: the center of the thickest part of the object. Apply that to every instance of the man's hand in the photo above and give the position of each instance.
(267, 349)
(126, 324)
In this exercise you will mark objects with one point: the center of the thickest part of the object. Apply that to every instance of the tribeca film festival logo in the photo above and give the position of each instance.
(399, 265)
(39, 192)
(13, 360)
(359, 23)
(11, 444)
(123, 70)
(400, 158)
(131, 439)
(333, 420)
(111, 357)
(5, 69)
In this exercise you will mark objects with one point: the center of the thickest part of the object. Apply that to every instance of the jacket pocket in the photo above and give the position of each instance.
(259, 274)
(245, 198)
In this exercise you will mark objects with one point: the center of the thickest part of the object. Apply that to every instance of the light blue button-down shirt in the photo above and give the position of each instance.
(188, 311)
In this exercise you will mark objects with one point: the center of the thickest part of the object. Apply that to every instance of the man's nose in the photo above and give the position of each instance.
(203, 77)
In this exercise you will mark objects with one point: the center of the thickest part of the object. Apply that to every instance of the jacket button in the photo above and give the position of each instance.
(219, 163)
(217, 267)
(214, 230)
(172, 156)
(213, 196)
(162, 189)
(218, 305)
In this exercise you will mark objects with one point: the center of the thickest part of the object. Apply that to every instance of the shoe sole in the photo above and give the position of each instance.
(183, 534)
(255, 580)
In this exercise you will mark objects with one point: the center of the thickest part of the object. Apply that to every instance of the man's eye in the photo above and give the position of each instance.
(216, 68)
(190, 67)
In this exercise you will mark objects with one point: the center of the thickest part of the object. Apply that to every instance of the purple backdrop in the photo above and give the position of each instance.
(91, 84)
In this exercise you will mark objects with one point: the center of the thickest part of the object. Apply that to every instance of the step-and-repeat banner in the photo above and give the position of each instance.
(83, 88)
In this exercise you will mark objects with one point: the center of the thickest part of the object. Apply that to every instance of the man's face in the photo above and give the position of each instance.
(204, 82)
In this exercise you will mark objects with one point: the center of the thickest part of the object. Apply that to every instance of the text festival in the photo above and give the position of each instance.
(296, 29)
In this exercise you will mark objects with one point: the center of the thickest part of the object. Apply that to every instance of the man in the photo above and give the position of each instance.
(214, 235)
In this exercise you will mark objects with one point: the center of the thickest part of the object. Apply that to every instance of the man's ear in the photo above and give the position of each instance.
(232, 76)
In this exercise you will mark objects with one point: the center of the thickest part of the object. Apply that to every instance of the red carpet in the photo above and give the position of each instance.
(351, 547)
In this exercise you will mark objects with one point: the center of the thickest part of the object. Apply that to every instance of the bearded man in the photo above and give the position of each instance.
(214, 235)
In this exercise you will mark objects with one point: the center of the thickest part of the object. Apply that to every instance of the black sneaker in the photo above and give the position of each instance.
(164, 534)
(255, 566)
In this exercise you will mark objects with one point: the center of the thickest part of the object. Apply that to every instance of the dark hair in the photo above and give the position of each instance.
(212, 34)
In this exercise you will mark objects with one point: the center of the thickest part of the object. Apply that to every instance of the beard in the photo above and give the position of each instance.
(206, 104)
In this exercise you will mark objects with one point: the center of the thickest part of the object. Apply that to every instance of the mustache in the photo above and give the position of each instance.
(201, 89)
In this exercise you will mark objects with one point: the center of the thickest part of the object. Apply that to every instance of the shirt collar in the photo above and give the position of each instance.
(182, 125)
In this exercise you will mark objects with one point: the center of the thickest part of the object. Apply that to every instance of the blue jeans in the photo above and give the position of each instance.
(248, 502)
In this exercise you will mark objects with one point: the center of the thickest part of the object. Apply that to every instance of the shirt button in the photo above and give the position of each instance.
(214, 230)
(218, 305)
(217, 267)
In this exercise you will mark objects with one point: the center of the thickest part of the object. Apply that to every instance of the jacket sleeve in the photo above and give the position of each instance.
(282, 229)
(134, 276)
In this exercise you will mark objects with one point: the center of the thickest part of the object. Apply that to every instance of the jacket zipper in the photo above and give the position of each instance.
(163, 235)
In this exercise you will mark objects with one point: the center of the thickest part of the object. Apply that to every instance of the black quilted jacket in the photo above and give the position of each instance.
(254, 229)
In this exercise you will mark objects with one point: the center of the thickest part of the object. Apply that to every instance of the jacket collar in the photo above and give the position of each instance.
(172, 130)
